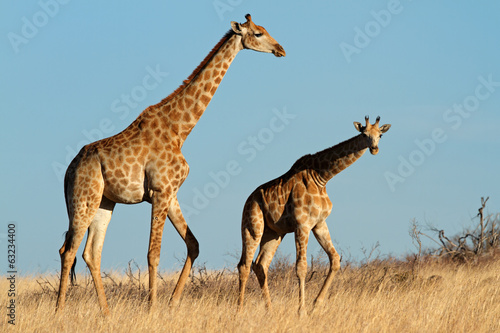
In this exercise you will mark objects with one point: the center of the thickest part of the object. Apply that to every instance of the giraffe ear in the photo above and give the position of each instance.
(358, 126)
(384, 128)
(236, 27)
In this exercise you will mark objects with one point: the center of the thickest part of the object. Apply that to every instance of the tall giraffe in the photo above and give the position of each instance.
(144, 163)
(297, 202)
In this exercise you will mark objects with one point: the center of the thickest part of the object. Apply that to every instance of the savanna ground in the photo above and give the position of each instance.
(379, 296)
(455, 288)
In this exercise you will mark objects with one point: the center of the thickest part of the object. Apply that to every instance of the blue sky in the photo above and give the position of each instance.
(74, 72)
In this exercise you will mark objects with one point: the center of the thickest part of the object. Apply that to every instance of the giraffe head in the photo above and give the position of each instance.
(256, 38)
(372, 133)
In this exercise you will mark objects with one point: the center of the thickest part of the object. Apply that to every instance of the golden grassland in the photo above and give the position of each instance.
(379, 296)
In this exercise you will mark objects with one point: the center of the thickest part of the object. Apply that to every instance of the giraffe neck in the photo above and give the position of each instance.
(331, 161)
(182, 109)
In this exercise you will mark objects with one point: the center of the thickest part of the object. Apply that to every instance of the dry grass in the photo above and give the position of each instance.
(381, 296)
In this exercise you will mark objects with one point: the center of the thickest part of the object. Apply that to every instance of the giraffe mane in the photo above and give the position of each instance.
(198, 69)
(300, 162)
(304, 162)
(334, 147)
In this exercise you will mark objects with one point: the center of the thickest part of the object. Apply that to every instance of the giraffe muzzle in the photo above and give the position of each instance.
(374, 150)
(279, 51)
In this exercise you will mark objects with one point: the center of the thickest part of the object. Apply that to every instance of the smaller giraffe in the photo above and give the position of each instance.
(297, 202)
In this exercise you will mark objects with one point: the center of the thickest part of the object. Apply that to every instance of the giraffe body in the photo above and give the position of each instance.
(144, 163)
(297, 202)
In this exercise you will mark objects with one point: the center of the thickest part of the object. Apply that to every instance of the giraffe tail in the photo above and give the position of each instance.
(72, 274)
(68, 192)
(68, 239)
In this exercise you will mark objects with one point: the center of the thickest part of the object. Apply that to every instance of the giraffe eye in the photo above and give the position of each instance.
(257, 35)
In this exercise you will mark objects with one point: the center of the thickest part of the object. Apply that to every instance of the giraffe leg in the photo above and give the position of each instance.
(160, 205)
(268, 246)
(252, 228)
(301, 240)
(79, 224)
(178, 221)
(93, 248)
(322, 234)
